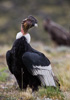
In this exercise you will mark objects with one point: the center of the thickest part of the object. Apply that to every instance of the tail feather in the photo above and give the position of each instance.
(57, 81)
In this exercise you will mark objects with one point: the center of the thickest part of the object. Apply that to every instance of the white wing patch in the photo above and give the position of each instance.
(45, 74)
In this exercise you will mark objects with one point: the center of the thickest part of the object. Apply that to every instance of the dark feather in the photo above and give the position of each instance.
(20, 60)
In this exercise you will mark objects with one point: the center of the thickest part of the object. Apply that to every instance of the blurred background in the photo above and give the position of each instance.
(12, 12)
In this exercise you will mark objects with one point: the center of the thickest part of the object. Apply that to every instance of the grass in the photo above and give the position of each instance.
(50, 92)
(63, 73)
(6, 98)
(3, 74)
(61, 67)
(11, 93)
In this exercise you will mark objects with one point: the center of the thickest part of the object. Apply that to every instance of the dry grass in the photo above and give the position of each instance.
(60, 60)
(11, 93)
(61, 66)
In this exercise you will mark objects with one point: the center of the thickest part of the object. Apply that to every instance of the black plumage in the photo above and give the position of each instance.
(22, 56)
(29, 66)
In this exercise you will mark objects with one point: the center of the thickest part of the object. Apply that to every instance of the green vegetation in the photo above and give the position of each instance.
(50, 92)
(6, 98)
(61, 66)
(3, 74)
(13, 12)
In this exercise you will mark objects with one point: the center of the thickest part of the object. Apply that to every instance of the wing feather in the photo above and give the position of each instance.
(37, 65)
(9, 60)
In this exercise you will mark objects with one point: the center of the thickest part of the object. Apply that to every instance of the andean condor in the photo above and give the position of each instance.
(29, 66)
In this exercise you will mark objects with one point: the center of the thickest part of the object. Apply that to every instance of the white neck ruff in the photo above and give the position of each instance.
(27, 36)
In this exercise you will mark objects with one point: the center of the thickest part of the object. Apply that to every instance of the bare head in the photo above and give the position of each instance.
(28, 23)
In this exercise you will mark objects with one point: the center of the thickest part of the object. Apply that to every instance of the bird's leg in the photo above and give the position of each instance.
(22, 78)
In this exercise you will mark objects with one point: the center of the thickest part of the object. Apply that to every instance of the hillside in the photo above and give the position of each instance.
(14, 11)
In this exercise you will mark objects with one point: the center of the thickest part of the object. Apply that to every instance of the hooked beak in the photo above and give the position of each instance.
(36, 25)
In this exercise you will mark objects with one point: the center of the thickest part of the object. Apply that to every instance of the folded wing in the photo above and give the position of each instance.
(39, 65)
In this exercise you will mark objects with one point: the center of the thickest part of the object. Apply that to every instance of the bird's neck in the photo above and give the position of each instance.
(22, 31)
(27, 36)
